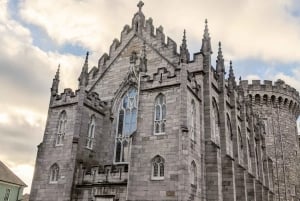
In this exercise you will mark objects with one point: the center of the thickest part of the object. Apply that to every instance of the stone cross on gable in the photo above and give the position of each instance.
(140, 5)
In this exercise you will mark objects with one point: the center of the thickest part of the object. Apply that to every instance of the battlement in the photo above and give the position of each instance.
(274, 94)
(279, 87)
(92, 100)
(67, 97)
(70, 97)
(107, 174)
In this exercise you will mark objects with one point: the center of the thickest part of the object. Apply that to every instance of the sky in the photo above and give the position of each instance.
(262, 38)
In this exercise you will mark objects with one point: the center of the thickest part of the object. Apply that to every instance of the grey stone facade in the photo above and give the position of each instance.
(215, 140)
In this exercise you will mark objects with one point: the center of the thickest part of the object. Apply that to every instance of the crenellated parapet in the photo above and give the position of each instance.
(68, 97)
(93, 101)
(107, 174)
(272, 94)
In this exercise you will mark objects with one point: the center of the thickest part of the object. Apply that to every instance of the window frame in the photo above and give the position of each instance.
(193, 121)
(193, 173)
(160, 168)
(61, 129)
(162, 116)
(54, 174)
(124, 138)
(91, 133)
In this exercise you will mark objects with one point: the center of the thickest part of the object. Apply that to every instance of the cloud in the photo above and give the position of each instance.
(248, 29)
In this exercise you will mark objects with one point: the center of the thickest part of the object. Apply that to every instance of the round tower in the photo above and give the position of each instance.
(278, 106)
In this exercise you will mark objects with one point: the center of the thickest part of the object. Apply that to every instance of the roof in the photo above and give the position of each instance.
(8, 176)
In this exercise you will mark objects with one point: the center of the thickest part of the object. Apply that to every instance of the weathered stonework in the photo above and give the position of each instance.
(220, 141)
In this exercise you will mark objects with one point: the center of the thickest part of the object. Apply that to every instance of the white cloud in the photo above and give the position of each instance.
(248, 29)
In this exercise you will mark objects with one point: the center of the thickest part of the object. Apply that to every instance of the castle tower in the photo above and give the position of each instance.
(278, 105)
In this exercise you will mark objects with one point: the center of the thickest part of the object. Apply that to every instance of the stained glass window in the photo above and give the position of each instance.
(126, 125)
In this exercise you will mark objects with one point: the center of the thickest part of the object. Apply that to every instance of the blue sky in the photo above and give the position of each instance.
(262, 38)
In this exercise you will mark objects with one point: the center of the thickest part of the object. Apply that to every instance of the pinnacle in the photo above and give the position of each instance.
(206, 33)
(57, 72)
(220, 54)
(86, 58)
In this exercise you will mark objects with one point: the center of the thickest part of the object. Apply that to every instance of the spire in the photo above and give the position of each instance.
(55, 82)
(220, 60)
(206, 46)
(231, 78)
(184, 52)
(83, 79)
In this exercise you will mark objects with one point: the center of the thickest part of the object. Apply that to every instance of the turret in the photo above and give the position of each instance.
(83, 79)
(184, 52)
(55, 82)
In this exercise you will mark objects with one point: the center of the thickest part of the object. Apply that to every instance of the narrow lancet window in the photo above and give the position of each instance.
(61, 128)
(54, 173)
(91, 133)
(160, 114)
(193, 121)
(215, 122)
(193, 174)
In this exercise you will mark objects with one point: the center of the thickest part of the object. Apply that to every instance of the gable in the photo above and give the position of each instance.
(110, 78)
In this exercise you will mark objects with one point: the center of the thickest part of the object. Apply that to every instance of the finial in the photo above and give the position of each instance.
(140, 5)
(86, 57)
(206, 34)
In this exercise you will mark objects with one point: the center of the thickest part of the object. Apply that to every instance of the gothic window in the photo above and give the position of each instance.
(126, 125)
(7, 194)
(158, 168)
(160, 114)
(240, 139)
(91, 133)
(54, 173)
(249, 152)
(193, 174)
(193, 121)
(215, 121)
(61, 128)
(230, 134)
(257, 159)
(229, 128)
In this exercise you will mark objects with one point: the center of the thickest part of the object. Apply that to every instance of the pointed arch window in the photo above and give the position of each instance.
(126, 125)
(215, 122)
(193, 121)
(61, 128)
(160, 115)
(158, 168)
(193, 174)
(54, 173)
(91, 133)
(230, 134)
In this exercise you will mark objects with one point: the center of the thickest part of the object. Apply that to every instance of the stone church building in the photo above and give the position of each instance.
(149, 123)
